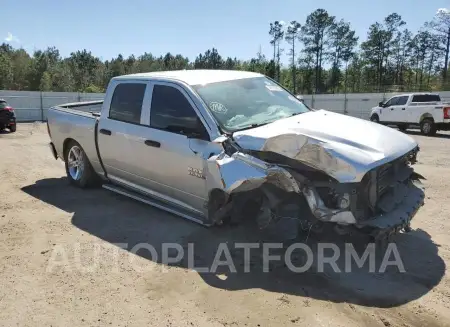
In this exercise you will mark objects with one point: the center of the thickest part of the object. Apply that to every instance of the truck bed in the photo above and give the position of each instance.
(76, 121)
(90, 108)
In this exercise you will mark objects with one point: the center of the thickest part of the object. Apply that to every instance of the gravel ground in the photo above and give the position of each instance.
(67, 259)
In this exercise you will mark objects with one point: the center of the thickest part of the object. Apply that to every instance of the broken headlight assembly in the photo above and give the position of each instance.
(333, 198)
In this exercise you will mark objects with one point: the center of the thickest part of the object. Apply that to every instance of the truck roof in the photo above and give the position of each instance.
(415, 93)
(194, 76)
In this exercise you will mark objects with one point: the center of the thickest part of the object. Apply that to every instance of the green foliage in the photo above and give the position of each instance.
(323, 53)
(6, 71)
(46, 82)
(93, 89)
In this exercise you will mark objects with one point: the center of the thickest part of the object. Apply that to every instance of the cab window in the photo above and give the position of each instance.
(171, 111)
(126, 103)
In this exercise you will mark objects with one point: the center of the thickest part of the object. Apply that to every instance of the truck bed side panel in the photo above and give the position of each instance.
(418, 110)
(67, 124)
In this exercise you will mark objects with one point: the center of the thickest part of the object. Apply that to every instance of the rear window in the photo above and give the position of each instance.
(426, 98)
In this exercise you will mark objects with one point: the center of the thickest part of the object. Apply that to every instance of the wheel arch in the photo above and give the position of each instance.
(65, 146)
(424, 116)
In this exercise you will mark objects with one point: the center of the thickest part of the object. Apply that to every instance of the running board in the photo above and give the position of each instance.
(154, 202)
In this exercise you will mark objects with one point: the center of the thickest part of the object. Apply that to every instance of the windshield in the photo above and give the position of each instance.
(249, 102)
(3, 104)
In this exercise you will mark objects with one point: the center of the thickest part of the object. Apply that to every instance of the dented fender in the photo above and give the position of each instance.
(228, 174)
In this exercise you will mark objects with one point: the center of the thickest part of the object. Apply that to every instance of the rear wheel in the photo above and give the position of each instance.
(78, 168)
(428, 127)
(12, 128)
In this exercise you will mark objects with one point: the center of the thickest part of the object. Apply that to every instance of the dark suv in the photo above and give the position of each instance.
(7, 117)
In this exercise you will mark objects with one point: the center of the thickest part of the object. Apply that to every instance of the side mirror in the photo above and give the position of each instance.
(380, 104)
(196, 131)
(194, 135)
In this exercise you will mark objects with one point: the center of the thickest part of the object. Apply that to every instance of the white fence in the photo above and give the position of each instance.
(32, 106)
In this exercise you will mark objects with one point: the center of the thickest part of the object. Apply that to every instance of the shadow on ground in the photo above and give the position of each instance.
(117, 219)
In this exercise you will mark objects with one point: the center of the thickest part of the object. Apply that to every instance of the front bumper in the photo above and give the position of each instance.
(405, 202)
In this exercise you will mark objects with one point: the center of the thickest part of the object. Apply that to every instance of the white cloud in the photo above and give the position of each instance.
(12, 38)
(443, 11)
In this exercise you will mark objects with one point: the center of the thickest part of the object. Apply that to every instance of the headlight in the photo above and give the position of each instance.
(334, 199)
(343, 201)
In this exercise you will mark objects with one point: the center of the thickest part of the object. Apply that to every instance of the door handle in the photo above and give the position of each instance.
(403, 108)
(392, 108)
(154, 144)
(105, 131)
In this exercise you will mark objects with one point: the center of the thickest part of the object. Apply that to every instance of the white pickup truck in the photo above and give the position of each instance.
(417, 109)
(231, 146)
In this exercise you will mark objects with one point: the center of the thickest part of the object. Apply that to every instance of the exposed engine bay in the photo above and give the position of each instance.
(298, 177)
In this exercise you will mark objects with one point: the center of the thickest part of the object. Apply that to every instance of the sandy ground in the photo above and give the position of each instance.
(67, 259)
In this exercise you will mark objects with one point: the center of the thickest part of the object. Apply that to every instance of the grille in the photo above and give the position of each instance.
(393, 172)
(379, 181)
(385, 178)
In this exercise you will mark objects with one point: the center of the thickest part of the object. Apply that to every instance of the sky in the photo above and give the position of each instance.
(237, 28)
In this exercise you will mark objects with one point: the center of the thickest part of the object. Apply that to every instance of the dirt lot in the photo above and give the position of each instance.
(97, 282)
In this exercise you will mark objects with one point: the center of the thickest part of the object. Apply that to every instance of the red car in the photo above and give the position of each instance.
(7, 117)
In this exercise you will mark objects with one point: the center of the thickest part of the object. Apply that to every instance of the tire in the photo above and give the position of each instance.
(78, 168)
(375, 119)
(12, 128)
(402, 127)
(428, 127)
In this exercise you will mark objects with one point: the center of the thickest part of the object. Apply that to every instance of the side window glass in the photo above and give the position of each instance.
(171, 111)
(389, 102)
(419, 98)
(402, 101)
(394, 101)
(431, 98)
(126, 103)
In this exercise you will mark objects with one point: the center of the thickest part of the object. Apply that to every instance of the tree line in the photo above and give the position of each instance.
(325, 56)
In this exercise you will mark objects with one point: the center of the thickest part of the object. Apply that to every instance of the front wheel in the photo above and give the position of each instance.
(78, 168)
(428, 127)
(375, 119)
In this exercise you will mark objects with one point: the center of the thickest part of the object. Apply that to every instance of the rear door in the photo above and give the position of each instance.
(120, 139)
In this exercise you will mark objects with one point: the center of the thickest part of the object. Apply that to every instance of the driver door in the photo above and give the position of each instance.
(178, 146)
(387, 112)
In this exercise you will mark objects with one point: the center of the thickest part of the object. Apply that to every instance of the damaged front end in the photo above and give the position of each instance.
(300, 178)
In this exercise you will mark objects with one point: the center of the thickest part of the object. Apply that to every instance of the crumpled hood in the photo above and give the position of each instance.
(344, 147)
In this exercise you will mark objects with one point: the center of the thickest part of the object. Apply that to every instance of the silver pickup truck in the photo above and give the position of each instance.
(231, 146)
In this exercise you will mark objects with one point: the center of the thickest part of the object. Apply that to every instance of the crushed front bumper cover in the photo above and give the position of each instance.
(404, 202)
(229, 175)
